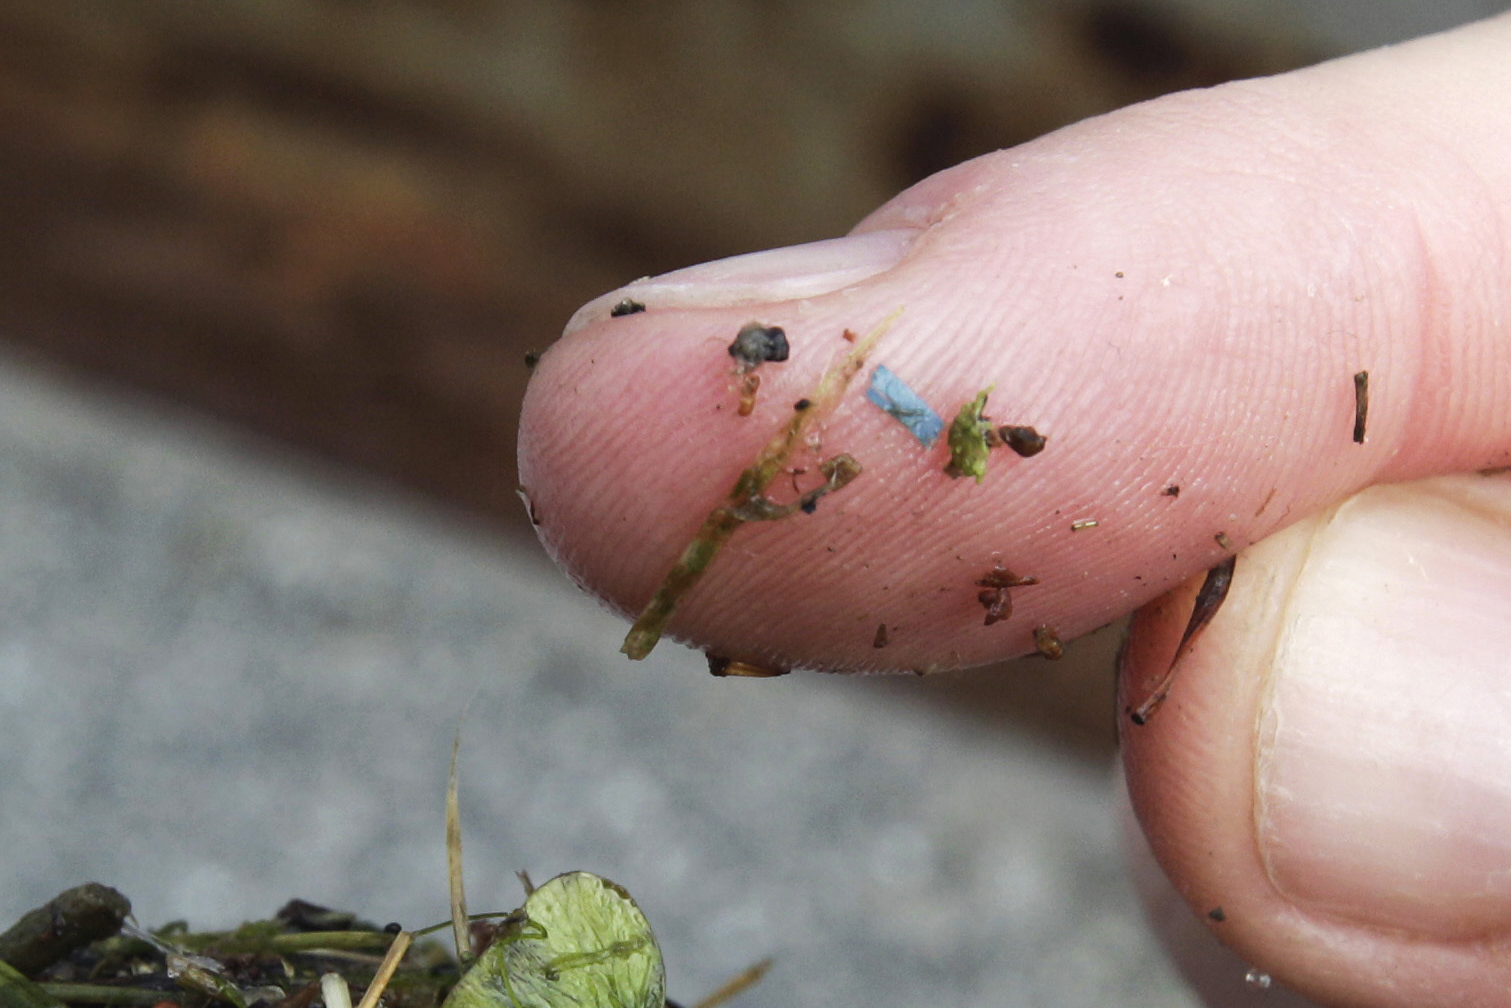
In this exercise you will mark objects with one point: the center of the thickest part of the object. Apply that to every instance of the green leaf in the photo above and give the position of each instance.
(579, 942)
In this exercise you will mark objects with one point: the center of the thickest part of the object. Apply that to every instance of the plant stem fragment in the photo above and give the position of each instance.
(747, 498)
(1209, 599)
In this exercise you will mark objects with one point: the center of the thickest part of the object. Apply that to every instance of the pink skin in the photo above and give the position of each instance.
(1178, 293)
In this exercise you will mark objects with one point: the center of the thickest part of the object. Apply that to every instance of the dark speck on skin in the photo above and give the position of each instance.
(626, 307)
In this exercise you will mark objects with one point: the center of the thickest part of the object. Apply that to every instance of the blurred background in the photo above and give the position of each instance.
(268, 271)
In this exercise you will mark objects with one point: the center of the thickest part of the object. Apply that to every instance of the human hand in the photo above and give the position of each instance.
(1177, 294)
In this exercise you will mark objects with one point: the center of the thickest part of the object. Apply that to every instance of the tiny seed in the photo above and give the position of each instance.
(1024, 440)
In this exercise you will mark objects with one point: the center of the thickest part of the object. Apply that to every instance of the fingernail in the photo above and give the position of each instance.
(1384, 753)
(783, 274)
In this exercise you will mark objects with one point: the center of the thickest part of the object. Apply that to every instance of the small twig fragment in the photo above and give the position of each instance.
(454, 857)
(1209, 599)
(1361, 405)
(386, 970)
(1083, 523)
(1047, 642)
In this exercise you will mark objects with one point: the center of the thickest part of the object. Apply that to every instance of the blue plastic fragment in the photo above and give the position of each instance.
(893, 395)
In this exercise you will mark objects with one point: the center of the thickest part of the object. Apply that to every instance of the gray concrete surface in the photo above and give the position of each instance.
(229, 677)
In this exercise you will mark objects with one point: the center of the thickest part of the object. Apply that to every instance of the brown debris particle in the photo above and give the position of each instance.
(1024, 440)
(1173, 490)
(1216, 914)
(994, 597)
(754, 345)
(1047, 642)
(1223, 540)
(1361, 405)
(628, 306)
(720, 666)
(880, 640)
(532, 358)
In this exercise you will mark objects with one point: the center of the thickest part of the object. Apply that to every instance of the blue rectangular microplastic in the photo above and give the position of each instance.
(890, 393)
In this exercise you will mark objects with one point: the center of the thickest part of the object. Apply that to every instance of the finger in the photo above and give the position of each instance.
(1177, 295)
(1327, 785)
(1217, 975)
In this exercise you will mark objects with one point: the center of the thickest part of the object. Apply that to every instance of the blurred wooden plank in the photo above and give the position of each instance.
(343, 222)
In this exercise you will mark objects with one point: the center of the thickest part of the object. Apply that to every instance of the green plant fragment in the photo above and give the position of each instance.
(18, 992)
(970, 439)
(747, 500)
(578, 942)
